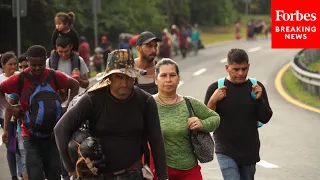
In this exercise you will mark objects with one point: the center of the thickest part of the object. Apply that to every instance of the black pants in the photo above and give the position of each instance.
(134, 174)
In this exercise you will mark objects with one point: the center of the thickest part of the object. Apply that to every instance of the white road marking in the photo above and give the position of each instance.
(254, 49)
(266, 164)
(200, 71)
(223, 60)
(180, 83)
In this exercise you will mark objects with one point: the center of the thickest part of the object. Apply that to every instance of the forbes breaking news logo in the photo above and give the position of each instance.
(295, 31)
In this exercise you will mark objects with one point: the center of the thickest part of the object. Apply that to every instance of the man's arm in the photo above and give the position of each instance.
(69, 123)
(211, 104)
(264, 110)
(155, 138)
(84, 79)
(73, 85)
(66, 82)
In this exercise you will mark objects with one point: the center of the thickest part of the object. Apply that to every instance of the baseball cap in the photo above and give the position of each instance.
(145, 37)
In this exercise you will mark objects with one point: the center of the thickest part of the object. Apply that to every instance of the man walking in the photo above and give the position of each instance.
(240, 105)
(40, 110)
(147, 44)
(72, 65)
(119, 115)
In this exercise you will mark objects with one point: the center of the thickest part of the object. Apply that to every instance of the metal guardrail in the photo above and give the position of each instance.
(309, 79)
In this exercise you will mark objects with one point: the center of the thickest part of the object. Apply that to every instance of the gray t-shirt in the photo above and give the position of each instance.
(65, 66)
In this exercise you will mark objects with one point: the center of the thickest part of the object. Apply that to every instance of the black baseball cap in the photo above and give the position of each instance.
(145, 37)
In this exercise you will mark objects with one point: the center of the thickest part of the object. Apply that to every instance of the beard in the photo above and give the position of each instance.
(148, 58)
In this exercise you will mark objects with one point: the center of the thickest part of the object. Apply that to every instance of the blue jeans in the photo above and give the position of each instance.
(21, 155)
(232, 171)
(42, 156)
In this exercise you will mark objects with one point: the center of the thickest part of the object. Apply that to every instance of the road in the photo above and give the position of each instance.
(289, 143)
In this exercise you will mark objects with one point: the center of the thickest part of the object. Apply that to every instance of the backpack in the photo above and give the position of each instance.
(54, 61)
(45, 109)
(253, 95)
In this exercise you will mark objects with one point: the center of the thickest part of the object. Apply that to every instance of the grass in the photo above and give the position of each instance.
(210, 35)
(92, 72)
(294, 88)
(315, 65)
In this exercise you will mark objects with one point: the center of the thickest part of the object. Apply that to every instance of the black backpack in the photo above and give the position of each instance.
(54, 61)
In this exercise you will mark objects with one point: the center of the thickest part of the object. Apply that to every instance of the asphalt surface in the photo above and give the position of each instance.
(289, 143)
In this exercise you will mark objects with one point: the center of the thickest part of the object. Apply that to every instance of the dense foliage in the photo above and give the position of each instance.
(117, 16)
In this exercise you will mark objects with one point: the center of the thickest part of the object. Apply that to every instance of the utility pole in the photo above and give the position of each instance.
(168, 13)
(96, 8)
(19, 9)
(247, 2)
(18, 28)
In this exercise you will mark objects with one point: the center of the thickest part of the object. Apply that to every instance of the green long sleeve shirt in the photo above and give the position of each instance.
(173, 120)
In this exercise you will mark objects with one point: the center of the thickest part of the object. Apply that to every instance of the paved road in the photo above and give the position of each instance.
(290, 142)
(290, 145)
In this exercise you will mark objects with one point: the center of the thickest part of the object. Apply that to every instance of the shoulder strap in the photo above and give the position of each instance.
(75, 62)
(253, 81)
(54, 61)
(189, 106)
(253, 95)
(52, 75)
(20, 82)
(220, 82)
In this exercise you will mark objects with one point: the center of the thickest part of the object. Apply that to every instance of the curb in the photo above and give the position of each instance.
(279, 87)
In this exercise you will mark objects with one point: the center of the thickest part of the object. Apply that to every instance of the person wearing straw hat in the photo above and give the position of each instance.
(122, 117)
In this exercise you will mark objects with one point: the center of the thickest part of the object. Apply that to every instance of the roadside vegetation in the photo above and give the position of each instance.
(294, 88)
(212, 35)
(315, 65)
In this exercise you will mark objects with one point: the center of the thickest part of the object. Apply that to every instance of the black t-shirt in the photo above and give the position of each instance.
(120, 125)
(237, 136)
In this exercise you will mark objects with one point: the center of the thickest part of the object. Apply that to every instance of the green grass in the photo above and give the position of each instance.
(210, 35)
(315, 65)
(293, 87)
(93, 72)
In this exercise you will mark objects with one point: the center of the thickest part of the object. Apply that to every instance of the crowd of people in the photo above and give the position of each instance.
(132, 124)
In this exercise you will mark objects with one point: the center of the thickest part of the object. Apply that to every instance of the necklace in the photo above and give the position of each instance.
(167, 103)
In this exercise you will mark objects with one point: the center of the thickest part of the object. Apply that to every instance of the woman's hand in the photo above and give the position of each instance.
(194, 123)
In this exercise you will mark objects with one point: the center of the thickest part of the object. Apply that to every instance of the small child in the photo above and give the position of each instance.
(13, 99)
(64, 27)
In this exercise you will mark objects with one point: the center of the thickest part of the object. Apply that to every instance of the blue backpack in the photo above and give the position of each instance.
(45, 109)
(253, 95)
